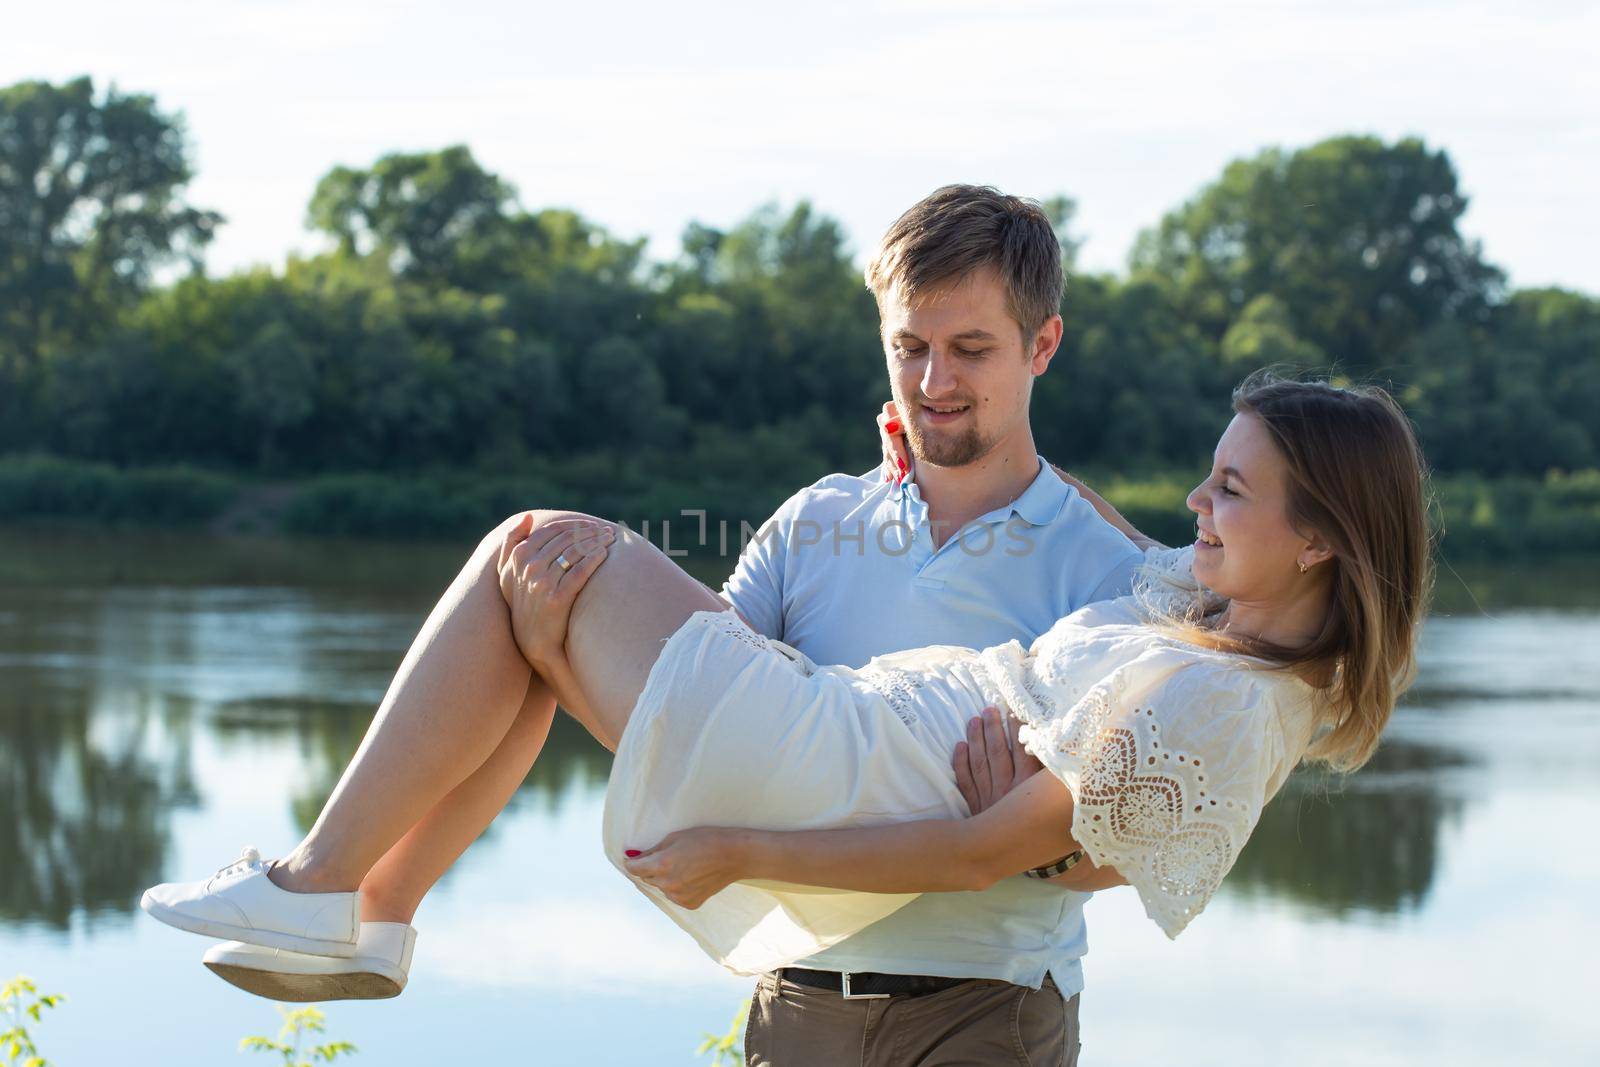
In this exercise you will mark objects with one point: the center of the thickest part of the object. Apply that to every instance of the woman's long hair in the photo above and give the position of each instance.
(1356, 476)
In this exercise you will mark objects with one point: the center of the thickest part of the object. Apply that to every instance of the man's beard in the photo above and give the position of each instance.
(946, 449)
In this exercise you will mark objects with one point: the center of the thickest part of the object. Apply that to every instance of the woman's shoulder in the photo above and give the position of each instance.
(1189, 681)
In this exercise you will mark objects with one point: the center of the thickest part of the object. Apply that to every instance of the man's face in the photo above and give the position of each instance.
(960, 368)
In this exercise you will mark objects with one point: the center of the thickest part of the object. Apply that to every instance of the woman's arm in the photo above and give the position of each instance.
(1108, 513)
(1028, 827)
(541, 630)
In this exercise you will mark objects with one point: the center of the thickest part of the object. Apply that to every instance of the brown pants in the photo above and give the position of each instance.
(977, 1024)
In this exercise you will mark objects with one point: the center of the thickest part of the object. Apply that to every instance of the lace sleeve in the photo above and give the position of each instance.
(1169, 766)
(1165, 585)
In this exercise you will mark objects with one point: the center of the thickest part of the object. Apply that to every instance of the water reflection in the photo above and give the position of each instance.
(105, 695)
(1370, 842)
(87, 804)
(108, 693)
(326, 734)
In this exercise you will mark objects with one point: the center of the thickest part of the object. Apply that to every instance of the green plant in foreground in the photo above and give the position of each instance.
(296, 1024)
(20, 997)
(725, 1049)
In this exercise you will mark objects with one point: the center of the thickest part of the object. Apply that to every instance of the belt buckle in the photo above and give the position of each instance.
(844, 979)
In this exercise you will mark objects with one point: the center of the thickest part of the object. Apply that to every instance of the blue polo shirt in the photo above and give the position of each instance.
(845, 570)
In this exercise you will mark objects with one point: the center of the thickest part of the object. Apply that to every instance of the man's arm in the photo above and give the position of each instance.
(1107, 512)
(991, 763)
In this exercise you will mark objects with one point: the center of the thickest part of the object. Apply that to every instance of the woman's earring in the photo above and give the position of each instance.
(1303, 567)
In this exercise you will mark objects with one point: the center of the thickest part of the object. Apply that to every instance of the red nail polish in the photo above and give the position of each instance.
(632, 852)
(892, 426)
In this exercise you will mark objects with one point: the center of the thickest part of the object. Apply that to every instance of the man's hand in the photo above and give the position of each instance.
(991, 761)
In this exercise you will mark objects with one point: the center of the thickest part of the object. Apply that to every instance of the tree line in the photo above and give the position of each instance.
(450, 326)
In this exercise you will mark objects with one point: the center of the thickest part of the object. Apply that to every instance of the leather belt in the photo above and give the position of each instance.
(868, 985)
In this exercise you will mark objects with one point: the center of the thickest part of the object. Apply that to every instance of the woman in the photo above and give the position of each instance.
(1167, 719)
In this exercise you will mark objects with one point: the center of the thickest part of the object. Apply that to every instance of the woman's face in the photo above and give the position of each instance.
(1245, 548)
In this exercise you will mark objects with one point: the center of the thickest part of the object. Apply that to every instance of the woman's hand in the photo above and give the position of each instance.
(991, 761)
(690, 866)
(539, 590)
(897, 460)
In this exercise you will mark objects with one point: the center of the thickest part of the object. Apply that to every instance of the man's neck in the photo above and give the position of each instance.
(957, 495)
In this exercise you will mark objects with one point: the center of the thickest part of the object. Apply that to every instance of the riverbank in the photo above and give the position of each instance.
(1481, 519)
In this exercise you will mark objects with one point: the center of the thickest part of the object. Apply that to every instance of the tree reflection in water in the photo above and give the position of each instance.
(328, 733)
(1368, 842)
(86, 806)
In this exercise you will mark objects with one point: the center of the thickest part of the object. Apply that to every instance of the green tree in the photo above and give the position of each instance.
(1133, 383)
(91, 205)
(414, 210)
(1522, 397)
(762, 321)
(1556, 333)
(1063, 211)
(1263, 335)
(1359, 239)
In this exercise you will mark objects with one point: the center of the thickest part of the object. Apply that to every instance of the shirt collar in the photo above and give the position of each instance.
(1038, 505)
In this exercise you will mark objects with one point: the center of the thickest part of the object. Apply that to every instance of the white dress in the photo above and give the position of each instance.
(1170, 752)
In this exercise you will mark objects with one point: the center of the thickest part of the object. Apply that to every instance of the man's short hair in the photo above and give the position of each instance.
(958, 229)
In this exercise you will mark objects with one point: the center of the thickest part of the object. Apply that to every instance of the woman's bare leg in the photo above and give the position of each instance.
(450, 705)
(461, 687)
(393, 890)
(621, 619)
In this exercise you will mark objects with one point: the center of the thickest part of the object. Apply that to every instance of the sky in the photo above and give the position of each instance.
(645, 116)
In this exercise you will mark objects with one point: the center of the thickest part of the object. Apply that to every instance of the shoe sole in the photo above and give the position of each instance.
(227, 932)
(301, 988)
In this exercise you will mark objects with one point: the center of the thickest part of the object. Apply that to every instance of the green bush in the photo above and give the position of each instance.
(1476, 518)
(1519, 518)
(1154, 504)
(20, 1001)
(1578, 489)
(38, 486)
(297, 1025)
(381, 506)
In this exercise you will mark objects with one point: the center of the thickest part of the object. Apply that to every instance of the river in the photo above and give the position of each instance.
(166, 699)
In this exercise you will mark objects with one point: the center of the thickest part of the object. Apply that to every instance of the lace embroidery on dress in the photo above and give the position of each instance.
(1039, 691)
(897, 687)
(1140, 806)
(1165, 586)
(732, 626)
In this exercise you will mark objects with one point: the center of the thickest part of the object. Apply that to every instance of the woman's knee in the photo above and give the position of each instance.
(493, 540)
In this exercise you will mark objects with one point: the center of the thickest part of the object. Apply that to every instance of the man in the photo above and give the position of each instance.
(984, 543)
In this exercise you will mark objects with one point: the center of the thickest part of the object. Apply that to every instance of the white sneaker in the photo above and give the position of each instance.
(241, 902)
(378, 969)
